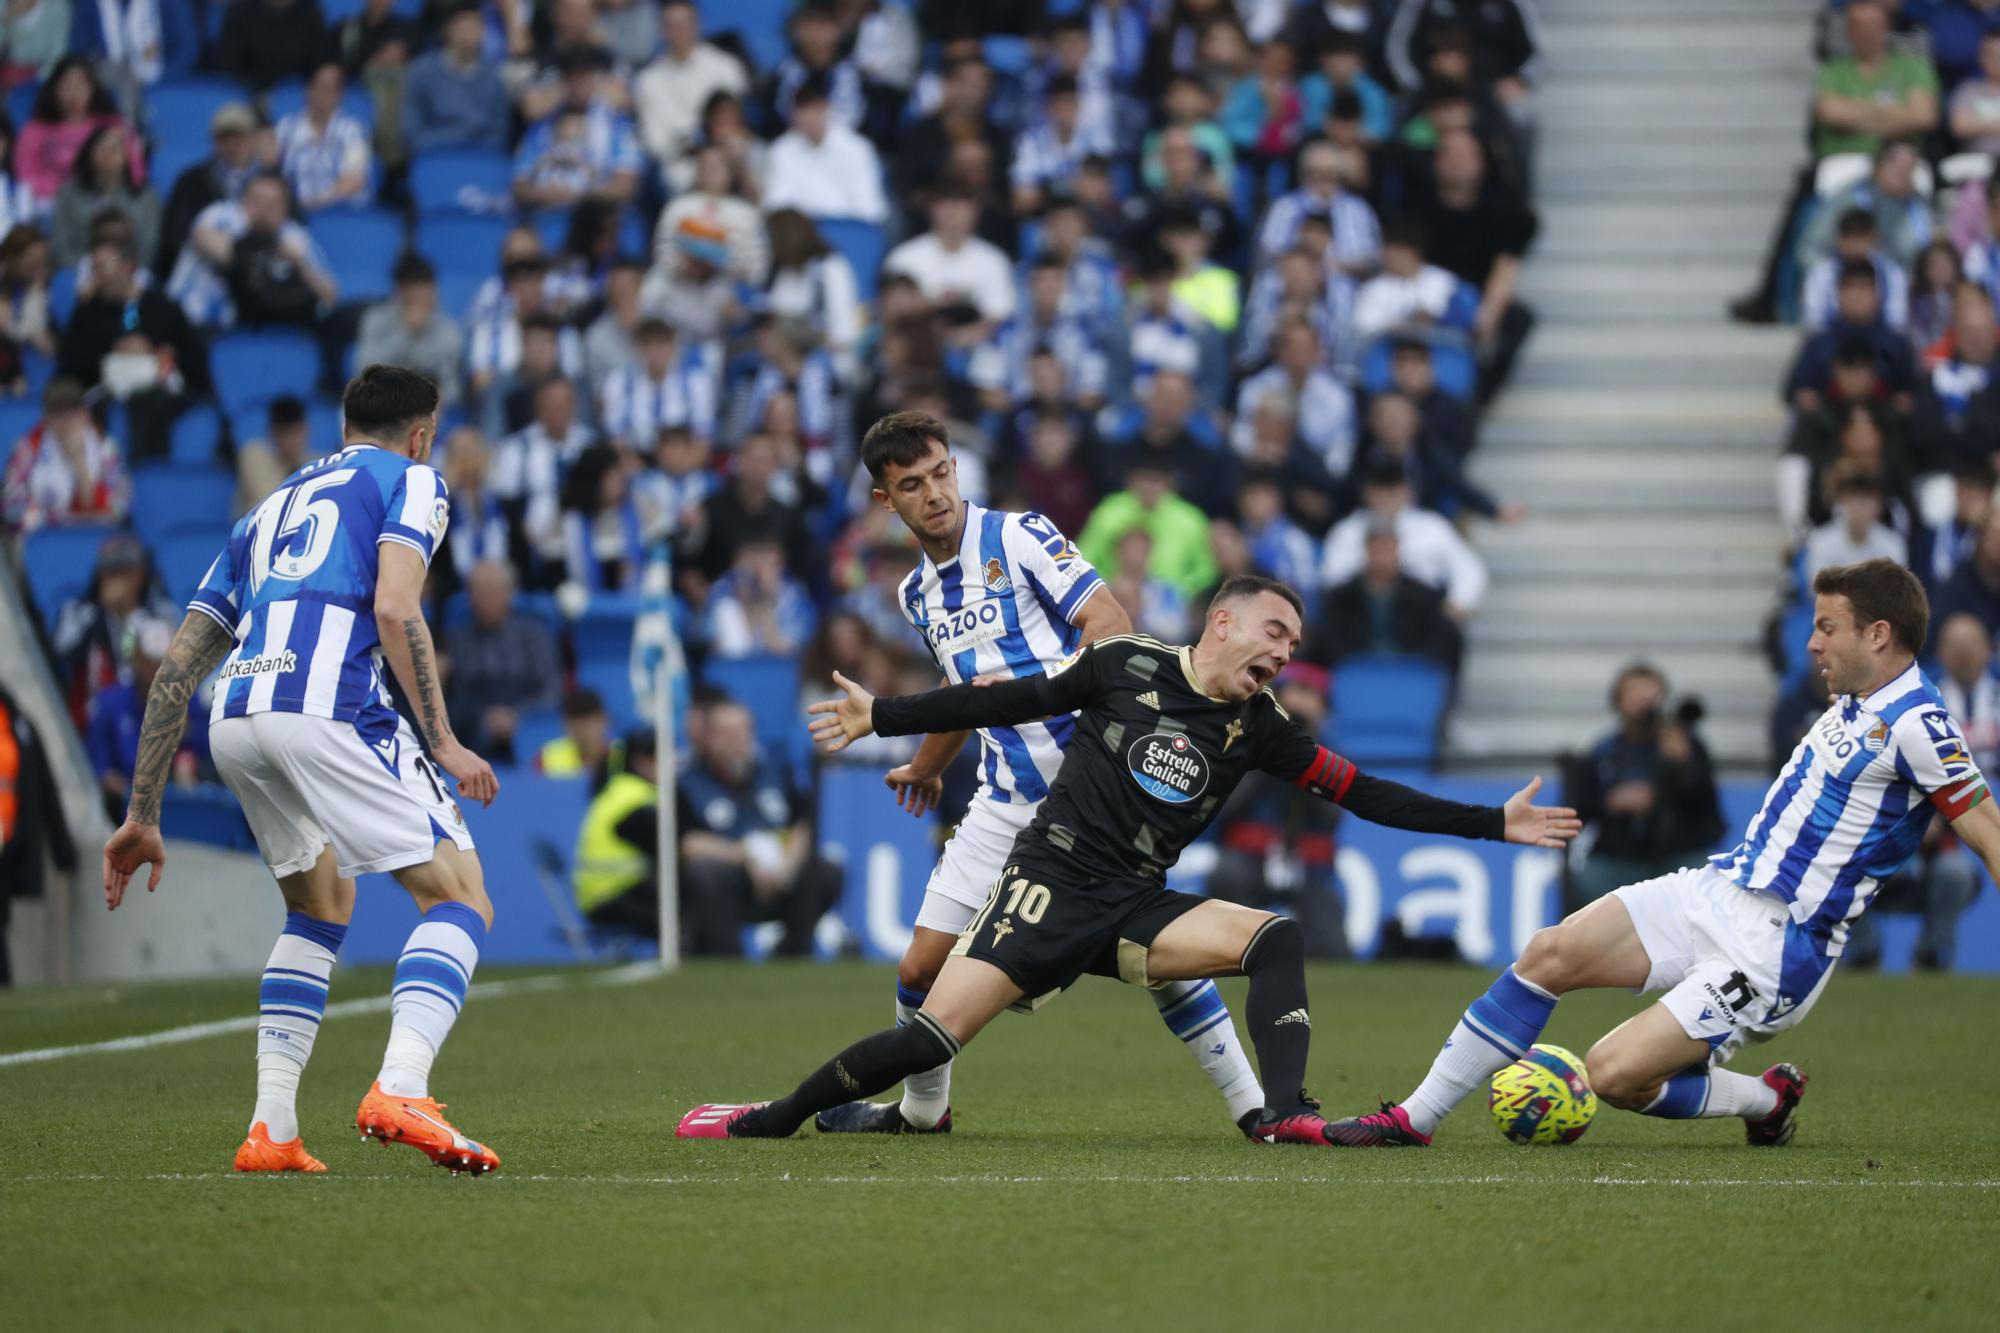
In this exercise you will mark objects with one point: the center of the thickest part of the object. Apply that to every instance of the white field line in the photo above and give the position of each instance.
(1407, 1182)
(373, 1004)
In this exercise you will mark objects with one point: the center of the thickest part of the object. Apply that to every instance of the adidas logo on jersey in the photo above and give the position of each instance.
(1151, 698)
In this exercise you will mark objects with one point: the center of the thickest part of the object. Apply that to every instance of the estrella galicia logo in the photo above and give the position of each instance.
(1168, 767)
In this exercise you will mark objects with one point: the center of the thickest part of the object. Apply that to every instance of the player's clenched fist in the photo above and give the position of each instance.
(837, 723)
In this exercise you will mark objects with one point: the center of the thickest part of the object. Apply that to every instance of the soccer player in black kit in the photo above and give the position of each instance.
(1164, 736)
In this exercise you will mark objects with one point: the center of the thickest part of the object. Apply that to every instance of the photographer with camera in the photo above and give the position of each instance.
(1646, 792)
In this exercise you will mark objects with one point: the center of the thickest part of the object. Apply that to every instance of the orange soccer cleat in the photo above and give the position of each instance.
(420, 1122)
(259, 1153)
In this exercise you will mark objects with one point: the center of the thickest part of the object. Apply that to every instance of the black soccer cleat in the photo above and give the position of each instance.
(874, 1118)
(1776, 1129)
(1389, 1127)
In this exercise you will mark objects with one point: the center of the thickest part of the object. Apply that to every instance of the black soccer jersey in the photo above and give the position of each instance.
(1153, 757)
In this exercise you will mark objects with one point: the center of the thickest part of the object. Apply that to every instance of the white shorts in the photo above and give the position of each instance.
(973, 858)
(307, 781)
(1734, 965)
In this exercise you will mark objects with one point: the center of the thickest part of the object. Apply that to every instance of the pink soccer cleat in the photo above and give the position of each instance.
(716, 1120)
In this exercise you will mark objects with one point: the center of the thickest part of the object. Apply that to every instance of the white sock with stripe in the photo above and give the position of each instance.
(291, 1000)
(1194, 1012)
(1712, 1094)
(432, 977)
(1496, 1030)
(926, 1096)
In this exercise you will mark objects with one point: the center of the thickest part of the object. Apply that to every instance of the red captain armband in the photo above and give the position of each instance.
(1327, 775)
(1958, 798)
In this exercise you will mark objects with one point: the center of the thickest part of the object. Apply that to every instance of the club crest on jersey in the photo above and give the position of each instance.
(995, 577)
(1168, 767)
(1877, 739)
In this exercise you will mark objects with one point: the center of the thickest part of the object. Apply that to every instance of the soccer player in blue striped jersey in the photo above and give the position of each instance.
(1744, 944)
(319, 586)
(1003, 595)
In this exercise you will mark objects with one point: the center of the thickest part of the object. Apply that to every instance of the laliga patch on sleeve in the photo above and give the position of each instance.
(1056, 669)
(440, 516)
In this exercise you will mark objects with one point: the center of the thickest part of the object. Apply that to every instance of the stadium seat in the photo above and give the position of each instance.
(21, 102)
(172, 155)
(602, 637)
(206, 814)
(62, 294)
(257, 367)
(861, 244)
(530, 605)
(455, 180)
(454, 241)
(1387, 710)
(362, 246)
(337, 12)
(759, 23)
(195, 435)
(323, 434)
(769, 688)
(1452, 365)
(180, 111)
(17, 417)
(37, 370)
(58, 563)
(183, 557)
(168, 499)
(290, 96)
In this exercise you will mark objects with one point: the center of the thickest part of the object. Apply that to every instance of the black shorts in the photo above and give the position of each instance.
(1044, 929)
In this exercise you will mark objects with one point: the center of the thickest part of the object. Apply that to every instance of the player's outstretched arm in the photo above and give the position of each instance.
(1977, 825)
(406, 642)
(201, 642)
(1393, 805)
(837, 723)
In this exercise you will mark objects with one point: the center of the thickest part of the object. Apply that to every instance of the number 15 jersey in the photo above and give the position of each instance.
(296, 586)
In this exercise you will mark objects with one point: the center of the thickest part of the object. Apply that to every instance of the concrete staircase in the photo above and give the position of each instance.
(1642, 427)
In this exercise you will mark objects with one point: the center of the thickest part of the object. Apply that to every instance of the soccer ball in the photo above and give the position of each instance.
(1542, 1098)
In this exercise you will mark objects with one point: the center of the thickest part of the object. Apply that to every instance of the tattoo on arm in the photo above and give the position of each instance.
(423, 675)
(200, 643)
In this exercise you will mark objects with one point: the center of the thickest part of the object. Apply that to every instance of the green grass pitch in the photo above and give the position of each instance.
(1094, 1181)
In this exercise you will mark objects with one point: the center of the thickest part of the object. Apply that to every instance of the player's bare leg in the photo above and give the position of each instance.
(431, 981)
(968, 995)
(1651, 1065)
(1218, 939)
(291, 1000)
(1596, 946)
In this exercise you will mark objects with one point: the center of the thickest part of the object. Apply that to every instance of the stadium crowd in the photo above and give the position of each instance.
(1887, 256)
(1216, 286)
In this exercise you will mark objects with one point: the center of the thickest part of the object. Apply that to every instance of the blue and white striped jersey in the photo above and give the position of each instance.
(1007, 602)
(1852, 804)
(296, 586)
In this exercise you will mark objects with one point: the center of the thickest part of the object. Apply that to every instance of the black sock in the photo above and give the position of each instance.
(869, 1066)
(1281, 1031)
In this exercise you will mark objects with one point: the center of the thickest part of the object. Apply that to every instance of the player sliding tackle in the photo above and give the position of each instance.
(1743, 945)
(1165, 735)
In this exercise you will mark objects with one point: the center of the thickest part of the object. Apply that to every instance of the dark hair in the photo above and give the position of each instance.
(84, 175)
(901, 438)
(581, 701)
(1060, 85)
(7, 132)
(1342, 42)
(1346, 105)
(652, 326)
(412, 269)
(795, 239)
(1634, 671)
(45, 100)
(1973, 468)
(1881, 590)
(1856, 270)
(1240, 586)
(815, 87)
(382, 401)
(1856, 222)
(285, 410)
(541, 322)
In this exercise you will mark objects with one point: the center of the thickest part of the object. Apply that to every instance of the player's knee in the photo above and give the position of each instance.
(1616, 1079)
(918, 971)
(1548, 961)
(1277, 942)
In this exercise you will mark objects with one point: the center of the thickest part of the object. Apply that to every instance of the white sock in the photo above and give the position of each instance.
(1194, 1012)
(432, 977)
(1494, 1032)
(291, 999)
(926, 1096)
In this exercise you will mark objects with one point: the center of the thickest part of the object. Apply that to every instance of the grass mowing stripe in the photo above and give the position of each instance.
(373, 1004)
